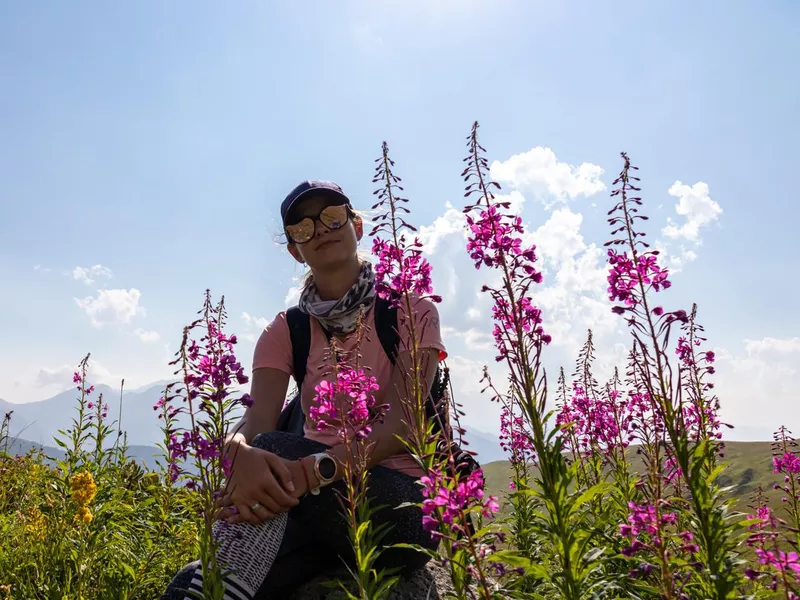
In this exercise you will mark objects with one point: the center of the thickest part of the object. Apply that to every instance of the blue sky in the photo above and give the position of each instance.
(157, 139)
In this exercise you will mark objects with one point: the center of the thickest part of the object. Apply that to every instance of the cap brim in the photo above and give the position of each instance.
(314, 192)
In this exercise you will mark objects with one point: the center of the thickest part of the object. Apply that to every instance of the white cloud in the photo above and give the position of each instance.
(112, 306)
(41, 269)
(147, 336)
(452, 222)
(88, 274)
(697, 208)
(474, 339)
(465, 377)
(55, 376)
(254, 326)
(293, 295)
(61, 376)
(770, 345)
(538, 172)
(758, 384)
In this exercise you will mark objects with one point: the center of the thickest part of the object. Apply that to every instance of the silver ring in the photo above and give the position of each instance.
(255, 506)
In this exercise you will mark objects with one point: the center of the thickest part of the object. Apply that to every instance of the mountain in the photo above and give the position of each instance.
(487, 446)
(40, 421)
(141, 454)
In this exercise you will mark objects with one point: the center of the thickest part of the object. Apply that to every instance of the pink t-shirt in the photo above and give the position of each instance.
(274, 350)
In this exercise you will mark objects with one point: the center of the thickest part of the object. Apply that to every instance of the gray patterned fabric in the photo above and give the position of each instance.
(341, 316)
(248, 551)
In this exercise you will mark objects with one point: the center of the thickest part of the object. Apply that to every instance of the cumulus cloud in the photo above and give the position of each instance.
(41, 269)
(293, 295)
(88, 275)
(697, 209)
(253, 326)
(540, 174)
(757, 384)
(452, 222)
(473, 339)
(112, 306)
(62, 375)
(147, 336)
(770, 345)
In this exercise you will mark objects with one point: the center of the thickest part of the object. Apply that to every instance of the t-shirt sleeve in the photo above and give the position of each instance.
(274, 346)
(426, 326)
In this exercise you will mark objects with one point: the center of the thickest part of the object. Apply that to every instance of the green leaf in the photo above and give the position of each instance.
(515, 559)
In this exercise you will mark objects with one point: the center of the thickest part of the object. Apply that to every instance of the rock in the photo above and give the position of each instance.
(428, 583)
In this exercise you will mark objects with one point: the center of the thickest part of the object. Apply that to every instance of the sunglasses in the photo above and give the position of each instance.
(332, 216)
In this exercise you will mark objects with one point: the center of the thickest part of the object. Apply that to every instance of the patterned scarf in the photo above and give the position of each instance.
(340, 317)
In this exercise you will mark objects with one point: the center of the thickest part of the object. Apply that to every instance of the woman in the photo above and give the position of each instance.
(280, 523)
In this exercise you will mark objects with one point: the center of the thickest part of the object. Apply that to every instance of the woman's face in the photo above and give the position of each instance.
(327, 247)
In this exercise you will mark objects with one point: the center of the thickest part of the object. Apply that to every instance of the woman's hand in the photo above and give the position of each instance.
(253, 480)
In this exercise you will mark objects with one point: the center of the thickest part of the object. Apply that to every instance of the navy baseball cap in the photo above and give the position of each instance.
(312, 187)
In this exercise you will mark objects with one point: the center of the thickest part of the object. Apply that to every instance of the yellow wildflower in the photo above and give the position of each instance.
(84, 515)
(83, 492)
(83, 487)
(35, 524)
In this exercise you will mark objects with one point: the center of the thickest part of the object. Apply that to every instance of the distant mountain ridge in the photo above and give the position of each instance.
(39, 421)
(141, 454)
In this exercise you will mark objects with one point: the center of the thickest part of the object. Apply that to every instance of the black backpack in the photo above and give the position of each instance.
(292, 418)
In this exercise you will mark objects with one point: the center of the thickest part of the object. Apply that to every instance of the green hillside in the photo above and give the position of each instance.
(748, 465)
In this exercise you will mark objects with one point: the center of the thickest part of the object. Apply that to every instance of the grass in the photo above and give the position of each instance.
(748, 465)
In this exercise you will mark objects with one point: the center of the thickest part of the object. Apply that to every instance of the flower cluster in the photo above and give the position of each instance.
(214, 366)
(627, 275)
(647, 530)
(402, 269)
(448, 499)
(77, 379)
(788, 463)
(209, 369)
(597, 420)
(83, 491)
(352, 394)
(777, 564)
(495, 235)
(515, 438)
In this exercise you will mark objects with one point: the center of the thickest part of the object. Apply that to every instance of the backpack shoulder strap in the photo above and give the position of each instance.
(386, 326)
(300, 334)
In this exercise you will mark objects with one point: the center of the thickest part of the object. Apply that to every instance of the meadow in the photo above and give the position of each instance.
(615, 489)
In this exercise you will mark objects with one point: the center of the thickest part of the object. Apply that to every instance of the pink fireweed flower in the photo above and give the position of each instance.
(402, 270)
(351, 393)
(600, 421)
(654, 532)
(492, 236)
(625, 277)
(789, 463)
(514, 437)
(210, 369)
(448, 499)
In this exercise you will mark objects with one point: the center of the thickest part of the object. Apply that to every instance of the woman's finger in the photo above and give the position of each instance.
(245, 514)
(269, 503)
(281, 471)
(277, 492)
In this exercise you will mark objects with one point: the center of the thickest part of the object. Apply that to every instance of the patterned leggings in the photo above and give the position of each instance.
(316, 536)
